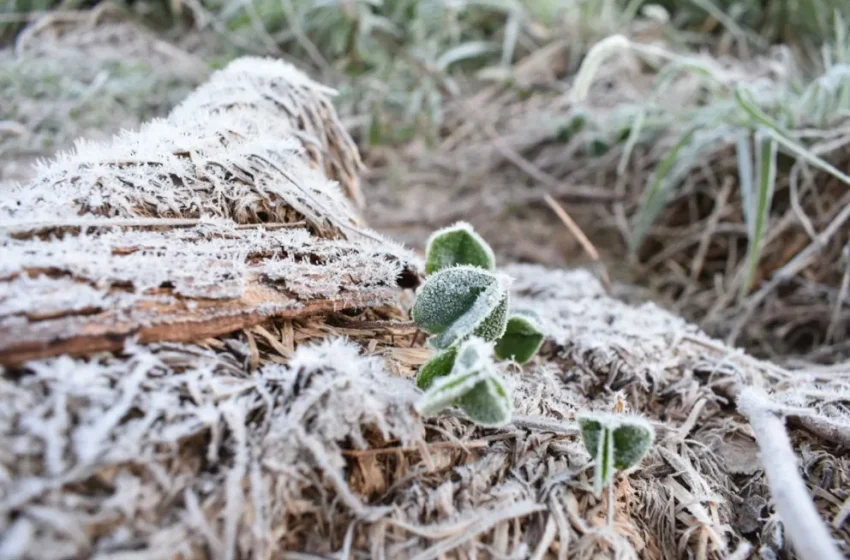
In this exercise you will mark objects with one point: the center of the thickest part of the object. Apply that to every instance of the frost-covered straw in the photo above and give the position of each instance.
(809, 535)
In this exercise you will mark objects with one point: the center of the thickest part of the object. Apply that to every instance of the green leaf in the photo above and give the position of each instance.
(473, 364)
(632, 441)
(767, 179)
(591, 431)
(658, 192)
(439, 366)
(522, 339)
(458, 245)
(462, 301)
(446, 390)
(487, 403)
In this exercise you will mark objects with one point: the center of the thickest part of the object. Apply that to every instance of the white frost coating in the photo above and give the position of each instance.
(97, 421)
(485, 308)
(595, 335)
(361, 266)
(466, 227)
(211, 260)
(443, 303)
(272, 158)
(809, 535)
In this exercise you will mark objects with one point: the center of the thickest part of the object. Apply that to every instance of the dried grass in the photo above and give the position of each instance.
(504, 149)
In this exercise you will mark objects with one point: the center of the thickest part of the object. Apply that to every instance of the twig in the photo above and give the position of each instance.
(545, 425)
(582, 238)
(809, 535)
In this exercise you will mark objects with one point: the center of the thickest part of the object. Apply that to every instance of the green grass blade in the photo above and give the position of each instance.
(766, 161)
(745, 179)
(782, 137)
(658, 192)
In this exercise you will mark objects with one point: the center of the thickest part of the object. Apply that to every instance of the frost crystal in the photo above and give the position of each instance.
(458, 245)
(522, 338)
(458, 302)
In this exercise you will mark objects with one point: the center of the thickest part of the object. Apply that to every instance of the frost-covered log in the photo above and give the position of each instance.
(241, 205)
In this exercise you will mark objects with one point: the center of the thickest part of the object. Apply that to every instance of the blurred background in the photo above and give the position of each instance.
(694, 152)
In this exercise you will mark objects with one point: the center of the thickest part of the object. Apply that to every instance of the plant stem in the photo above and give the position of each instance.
(611, 504)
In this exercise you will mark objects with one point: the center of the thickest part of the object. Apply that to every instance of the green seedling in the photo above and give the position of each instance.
(522, 338)
(615, 441)
(465, 306)
(472, 385)
(458, 245)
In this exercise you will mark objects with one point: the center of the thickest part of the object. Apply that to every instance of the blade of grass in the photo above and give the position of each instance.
(745, 179)
(658, 192)
(766, 161)
(745, 101)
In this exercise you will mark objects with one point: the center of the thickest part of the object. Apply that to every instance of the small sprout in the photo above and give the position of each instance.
(615, 441)
(462, 301)
(466, 307)
(458, 245)
(522, 338)
(439, 366)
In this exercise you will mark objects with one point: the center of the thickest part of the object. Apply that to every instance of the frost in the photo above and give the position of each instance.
(472, 364)
(182, 420)
(457, 245)
(522, 338)
(228, 210)
(457, 302)
(259, 142)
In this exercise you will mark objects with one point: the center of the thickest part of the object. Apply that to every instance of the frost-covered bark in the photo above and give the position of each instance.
(241, 205)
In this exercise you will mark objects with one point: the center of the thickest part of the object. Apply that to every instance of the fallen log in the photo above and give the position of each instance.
(240, 206)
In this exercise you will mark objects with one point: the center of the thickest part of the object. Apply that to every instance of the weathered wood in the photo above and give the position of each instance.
(161, 235)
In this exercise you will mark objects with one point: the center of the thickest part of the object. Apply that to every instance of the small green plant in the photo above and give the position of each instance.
(465, 306)
(615, 441)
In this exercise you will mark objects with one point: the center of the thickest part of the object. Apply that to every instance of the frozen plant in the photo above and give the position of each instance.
(616, 442)
(472, 384)
(465, 306)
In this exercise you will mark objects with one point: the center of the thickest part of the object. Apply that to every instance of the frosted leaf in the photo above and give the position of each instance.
(522, 338)
(487, 403)
(632, 442)
(615, 441)
(458, 302)
(438, 366)
(474, 363)
(457, 245)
